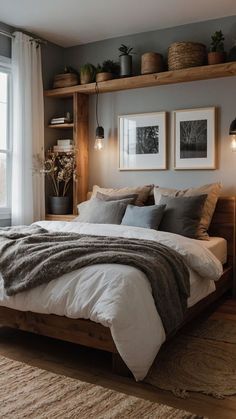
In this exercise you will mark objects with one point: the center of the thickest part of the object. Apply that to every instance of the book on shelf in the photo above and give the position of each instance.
(64, 142)
(66, 149)
(61, 119)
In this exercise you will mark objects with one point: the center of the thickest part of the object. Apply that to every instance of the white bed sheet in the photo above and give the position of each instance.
(118, 296)
(218, 246)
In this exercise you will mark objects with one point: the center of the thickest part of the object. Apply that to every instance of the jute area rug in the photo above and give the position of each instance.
(202, 360)
(30, 392)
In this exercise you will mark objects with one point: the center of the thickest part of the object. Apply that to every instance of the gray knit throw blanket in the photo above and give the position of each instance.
(30, 256)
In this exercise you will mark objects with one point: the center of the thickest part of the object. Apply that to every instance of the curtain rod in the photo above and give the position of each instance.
(10, 35)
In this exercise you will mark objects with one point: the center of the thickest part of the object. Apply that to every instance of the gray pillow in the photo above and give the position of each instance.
(147, 217)
(105, 197)
(182, 214)
(102, 212)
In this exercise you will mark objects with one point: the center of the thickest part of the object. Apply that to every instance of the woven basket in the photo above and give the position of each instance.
(65, 80)
(186, 54)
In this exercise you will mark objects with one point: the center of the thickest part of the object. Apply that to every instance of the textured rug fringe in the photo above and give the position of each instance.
(182, 394)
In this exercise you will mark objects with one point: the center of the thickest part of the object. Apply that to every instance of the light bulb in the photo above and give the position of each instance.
(233, 143)
(99, 144)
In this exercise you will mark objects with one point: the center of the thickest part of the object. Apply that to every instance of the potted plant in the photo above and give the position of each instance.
(107, 71)
(70, 77)
(125, 60)
(87, 73)
(217, 54)
(60, 168)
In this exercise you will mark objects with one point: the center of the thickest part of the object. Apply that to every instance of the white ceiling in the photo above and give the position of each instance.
(73, 22)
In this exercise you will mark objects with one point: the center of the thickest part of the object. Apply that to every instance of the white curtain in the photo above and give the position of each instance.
(28, 131)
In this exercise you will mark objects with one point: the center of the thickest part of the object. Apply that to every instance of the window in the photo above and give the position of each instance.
(5, 138)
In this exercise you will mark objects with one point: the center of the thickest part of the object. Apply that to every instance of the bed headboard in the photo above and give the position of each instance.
(223, 224)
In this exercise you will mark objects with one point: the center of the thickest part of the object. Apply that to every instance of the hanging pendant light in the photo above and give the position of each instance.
(99, 141)
(232, 133)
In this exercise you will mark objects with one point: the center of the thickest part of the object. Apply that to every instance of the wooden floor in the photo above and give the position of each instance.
(95, 367)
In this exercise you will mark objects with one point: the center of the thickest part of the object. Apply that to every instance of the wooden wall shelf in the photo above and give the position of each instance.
(61, 126)
(157, 79)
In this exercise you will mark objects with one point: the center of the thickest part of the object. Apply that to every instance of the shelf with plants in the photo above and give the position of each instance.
(205, 72)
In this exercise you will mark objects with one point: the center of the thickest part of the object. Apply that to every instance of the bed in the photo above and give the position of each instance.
(26, 315)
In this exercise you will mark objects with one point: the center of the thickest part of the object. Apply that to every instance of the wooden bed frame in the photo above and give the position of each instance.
(94, 335)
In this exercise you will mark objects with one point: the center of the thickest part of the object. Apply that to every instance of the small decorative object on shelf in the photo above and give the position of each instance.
(217, 54)
(87, 73)
(69, 78)
(61, 120)
(63, 146)
(151, 62)
(185, 55)
(107, 71)
(60, 169)
(125, 60)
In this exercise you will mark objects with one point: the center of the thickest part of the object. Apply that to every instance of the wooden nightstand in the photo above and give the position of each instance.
(66, 217)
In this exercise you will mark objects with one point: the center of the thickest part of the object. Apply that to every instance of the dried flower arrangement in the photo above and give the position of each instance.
(60, 168)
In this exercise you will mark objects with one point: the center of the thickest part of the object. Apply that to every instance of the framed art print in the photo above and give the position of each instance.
(195, 138)
(142, 141)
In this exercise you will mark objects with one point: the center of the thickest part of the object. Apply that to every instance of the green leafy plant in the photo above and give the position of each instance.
(88, 69)
(125, 50)
(108, 66)
(217, 42)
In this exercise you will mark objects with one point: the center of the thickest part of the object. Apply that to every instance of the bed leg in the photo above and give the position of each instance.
(119, 367)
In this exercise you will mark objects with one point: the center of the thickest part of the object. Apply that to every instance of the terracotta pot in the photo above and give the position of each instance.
(86, 78)
(216, 57)
(151, 62)
(103, 76)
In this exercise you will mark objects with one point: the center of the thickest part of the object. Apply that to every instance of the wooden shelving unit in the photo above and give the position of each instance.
(80, 95)
(61, 126)
(80, 138)
(148, 80)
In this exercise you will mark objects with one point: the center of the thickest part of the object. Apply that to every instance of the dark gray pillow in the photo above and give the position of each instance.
(105, 197)
(102, 212)
(147, 217)
(182, 214)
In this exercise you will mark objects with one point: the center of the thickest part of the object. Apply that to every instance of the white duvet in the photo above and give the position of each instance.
(117, 296)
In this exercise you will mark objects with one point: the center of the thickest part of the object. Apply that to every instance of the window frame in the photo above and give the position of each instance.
(6, 67)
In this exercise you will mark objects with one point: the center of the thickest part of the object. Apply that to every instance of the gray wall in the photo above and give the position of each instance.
(220, 93)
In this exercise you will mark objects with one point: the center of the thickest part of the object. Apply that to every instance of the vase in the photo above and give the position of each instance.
(59, 205)
(125, 65)
(216, 57)
(86, 78)
(151, 62)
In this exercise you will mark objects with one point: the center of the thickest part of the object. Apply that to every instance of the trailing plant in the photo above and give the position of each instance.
(217, 42)
(108, 66)
(125, 50)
